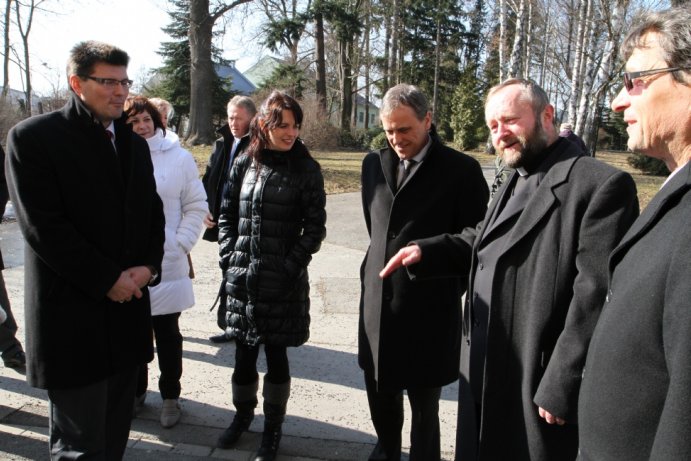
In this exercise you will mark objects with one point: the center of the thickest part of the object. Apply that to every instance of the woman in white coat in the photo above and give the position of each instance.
(184, 206)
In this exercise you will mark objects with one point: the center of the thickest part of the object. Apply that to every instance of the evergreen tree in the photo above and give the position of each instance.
(419, 42)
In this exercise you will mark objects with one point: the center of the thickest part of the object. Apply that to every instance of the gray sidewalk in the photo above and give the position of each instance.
(328, 417)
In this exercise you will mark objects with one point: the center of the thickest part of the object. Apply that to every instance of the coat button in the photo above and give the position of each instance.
(609, 296)
(482, 266)
(392, 235)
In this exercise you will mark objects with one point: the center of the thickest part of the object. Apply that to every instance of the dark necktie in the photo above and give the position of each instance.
(404, 168)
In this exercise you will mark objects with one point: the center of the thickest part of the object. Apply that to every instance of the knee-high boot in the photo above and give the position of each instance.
(245, 401)
(275, 402)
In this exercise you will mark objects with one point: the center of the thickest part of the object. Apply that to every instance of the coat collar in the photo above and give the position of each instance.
(389, 160)
(554, 172)
(677, 185)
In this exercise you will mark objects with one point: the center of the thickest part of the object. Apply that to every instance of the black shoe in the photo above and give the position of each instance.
(271, 438)
(222, 338)
(230, 436)
(16, 360)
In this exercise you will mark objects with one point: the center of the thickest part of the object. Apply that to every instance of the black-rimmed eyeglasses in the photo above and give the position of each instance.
(630, 76)
(109, 82)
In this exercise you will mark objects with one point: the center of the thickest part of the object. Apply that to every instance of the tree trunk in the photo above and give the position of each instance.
(321, 64)
(502, 40)
(576, 77)
(529, 35)
(437, 54)
(6, 57)
(347, 84)
(394, 74)
(200, 129)
(517, 50)
(368, 59)
(24, 31)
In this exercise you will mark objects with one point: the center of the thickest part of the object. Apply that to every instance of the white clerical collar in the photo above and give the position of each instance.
(522, 171)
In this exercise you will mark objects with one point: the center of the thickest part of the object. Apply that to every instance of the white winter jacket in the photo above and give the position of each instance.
(184, 206)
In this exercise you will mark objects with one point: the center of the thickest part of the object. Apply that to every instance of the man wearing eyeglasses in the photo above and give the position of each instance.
(83, 187)
(635, 400)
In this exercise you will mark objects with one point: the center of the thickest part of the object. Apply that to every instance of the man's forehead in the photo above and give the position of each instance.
(647, 53)
(509, 99)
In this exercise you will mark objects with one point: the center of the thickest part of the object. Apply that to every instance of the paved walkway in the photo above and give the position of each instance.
(328, 417)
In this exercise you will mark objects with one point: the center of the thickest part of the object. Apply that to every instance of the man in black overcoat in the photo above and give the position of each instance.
(537, 281)
(409, 331)
(83, 188)
(635, 400)
(235, 138)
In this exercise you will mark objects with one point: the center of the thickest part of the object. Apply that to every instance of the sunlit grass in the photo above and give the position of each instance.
(342, 169)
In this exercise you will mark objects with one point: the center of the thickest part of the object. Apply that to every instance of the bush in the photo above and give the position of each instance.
(648, 165)
(316, 131)
(378, 142)
(9, 116)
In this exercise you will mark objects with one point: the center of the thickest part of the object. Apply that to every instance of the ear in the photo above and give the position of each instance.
(76, 84)
(428, 121)
(548, 115)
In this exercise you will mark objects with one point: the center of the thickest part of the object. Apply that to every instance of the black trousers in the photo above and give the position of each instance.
(386, 410)
(9, 344)
(93, 421)
(169, 352)
(277, 366)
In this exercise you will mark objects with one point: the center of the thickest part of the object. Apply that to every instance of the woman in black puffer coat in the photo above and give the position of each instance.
(272, 220)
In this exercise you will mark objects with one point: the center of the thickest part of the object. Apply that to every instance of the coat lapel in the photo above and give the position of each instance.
(389, 161)
(679, 184)
(543, 199)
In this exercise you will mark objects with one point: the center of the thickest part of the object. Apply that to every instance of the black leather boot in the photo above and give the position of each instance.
(245, 401)
(275, 402)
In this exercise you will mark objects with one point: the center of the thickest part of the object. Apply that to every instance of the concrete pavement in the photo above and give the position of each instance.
(328, 416)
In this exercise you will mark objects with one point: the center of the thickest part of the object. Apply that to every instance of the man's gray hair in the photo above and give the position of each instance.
(406, 95)
(531, 92)
(245, 102)
(674, 29)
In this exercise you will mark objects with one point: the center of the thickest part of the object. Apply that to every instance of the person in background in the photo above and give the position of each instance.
(409, 330)
(272, 220)
(636, 392)
(233, 142)
(12, 352)
(165, 109)
(184, 206)
(82, 185)
(537, 282)
(566, 131)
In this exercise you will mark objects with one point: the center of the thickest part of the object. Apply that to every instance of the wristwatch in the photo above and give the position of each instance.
(154, 274)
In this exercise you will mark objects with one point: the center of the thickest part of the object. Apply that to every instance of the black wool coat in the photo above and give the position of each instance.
(272, 221)
(216, 174)
(409, 331)
(548, 286)
(635, 399)
(86, 214)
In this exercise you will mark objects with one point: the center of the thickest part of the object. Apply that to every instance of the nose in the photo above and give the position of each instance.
(622, 101)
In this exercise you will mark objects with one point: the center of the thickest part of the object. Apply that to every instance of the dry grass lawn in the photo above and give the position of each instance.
(342, 169)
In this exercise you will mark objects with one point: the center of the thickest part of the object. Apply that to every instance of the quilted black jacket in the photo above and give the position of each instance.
(272, 220)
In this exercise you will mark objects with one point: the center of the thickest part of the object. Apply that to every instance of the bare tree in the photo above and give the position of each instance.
(24, 27)
(6, 56)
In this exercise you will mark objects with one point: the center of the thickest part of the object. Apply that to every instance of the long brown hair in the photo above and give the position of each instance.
(269, 117)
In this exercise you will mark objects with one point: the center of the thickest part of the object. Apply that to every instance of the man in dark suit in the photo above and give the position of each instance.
(83, 188)
(12, 352)
(235, 137)
(635, 399)
(536, 282)
(409, 331)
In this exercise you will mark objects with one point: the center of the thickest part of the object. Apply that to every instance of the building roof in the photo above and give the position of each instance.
(239, 82)
(262, 70)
